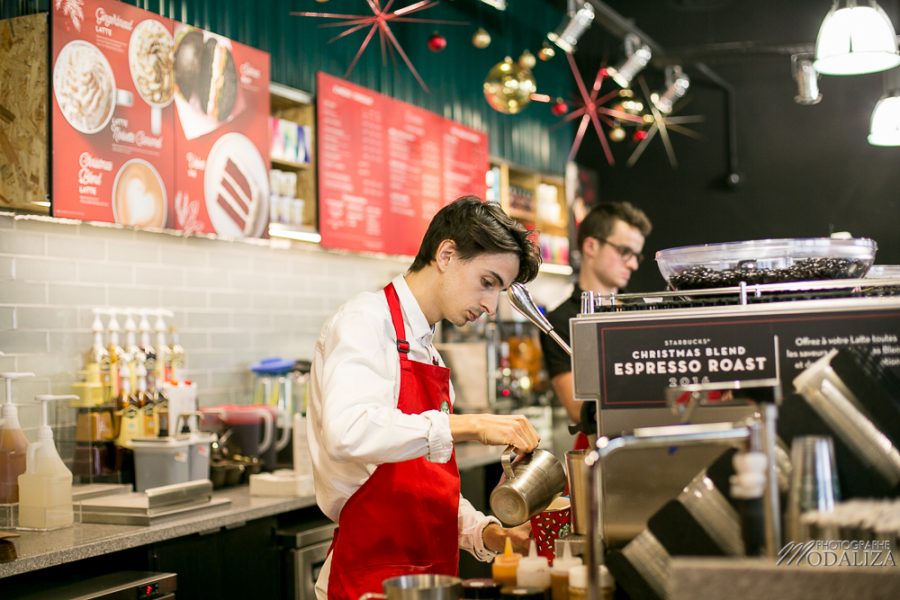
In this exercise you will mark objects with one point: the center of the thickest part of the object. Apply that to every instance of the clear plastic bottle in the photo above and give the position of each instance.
(175, 367)
(45, 488)
(534, 570)
(99, 355)
(128, 412)
(559, 572)
(115, 357)
(148, 351)
(578, 583)
(13, 445)
(162, 352)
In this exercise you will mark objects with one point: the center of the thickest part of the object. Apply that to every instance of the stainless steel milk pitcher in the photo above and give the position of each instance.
(529, 484)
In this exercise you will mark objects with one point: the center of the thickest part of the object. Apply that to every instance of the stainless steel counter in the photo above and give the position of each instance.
(46, 549)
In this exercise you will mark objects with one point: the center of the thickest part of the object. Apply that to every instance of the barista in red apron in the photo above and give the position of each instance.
(383, 527)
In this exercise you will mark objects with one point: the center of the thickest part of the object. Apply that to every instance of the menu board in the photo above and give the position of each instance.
(157, 124)
(112, 118)
(386, 167)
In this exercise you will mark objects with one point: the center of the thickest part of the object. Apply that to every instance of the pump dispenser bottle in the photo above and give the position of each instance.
(13, 444)
(115, 356)
(45, 488)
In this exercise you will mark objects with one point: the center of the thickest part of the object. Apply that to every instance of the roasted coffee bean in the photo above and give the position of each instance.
(807, 269)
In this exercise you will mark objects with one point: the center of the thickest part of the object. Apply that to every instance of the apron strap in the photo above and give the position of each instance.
(393, 301)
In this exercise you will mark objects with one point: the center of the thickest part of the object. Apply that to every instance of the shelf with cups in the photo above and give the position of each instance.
(538, 201)
(293, 174)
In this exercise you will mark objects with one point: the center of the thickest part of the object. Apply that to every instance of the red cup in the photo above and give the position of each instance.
(551, 524)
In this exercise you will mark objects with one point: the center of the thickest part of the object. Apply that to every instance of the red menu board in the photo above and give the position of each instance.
(386, 167)
(157, 124)
(112, 113)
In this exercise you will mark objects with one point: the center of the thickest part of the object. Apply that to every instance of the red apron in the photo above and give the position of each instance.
(403, 520)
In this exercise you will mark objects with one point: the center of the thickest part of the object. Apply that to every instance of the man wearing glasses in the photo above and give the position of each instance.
(610, 240)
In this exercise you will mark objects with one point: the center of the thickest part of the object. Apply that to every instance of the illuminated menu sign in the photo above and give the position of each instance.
(386, 167)
(157, 124)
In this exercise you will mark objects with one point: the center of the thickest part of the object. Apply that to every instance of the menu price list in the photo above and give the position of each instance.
(386, 167)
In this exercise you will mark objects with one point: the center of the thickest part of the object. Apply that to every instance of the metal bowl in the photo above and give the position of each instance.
(765, 261)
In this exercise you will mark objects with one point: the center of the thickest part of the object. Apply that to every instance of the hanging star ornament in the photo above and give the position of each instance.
(662, 124)
(379, 21)
(591, 111)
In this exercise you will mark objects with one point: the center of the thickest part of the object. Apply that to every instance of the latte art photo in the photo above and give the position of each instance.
(139, 198)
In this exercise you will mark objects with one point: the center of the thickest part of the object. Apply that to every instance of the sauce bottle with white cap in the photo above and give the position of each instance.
(534, 570)
(559, 572)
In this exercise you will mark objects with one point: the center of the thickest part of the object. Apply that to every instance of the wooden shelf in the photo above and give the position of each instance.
(521, 215)
(289, 164)
(297, 106)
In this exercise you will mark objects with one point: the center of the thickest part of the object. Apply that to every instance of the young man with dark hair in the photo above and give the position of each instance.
(610, 241)
(381, 424)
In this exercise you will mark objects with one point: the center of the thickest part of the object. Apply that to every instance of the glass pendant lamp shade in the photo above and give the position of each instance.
(855, 39)
(885, 127)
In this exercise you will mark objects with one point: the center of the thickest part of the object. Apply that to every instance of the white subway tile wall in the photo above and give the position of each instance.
(234, 302)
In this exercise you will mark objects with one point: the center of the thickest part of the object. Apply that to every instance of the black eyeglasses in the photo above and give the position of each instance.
(624, 251)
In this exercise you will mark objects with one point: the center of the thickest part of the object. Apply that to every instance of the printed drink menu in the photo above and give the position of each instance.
(156, 123)
(113, 86)
(386, 167)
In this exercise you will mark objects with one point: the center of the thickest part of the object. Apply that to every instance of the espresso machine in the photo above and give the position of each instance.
(687, 381)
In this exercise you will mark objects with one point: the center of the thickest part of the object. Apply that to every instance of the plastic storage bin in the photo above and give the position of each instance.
(164, 461)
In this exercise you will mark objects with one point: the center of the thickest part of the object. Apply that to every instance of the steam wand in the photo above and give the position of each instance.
(522, 302)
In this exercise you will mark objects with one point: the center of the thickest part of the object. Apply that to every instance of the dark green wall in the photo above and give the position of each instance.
(299, 48)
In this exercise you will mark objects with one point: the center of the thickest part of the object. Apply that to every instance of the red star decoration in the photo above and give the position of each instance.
(591, 110)
(380, 22)
(663, 124)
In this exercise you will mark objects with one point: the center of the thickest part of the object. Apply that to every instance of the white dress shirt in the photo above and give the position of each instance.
(353, 422)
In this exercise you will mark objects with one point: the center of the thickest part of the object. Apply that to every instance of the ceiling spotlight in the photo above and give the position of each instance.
(677, 84)
(579, 16)
(855, 39)
(637, 57)
(807, 79)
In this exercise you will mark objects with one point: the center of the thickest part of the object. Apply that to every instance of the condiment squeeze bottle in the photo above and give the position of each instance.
(505, 566)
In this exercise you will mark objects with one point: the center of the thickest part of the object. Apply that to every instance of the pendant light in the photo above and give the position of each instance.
(855, 39)
(884, 129)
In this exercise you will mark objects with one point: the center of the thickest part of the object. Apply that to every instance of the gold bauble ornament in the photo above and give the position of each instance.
(617, 134)
(546, 52)
(481, 39)
(648, 119)
(508, 87)
(526, 60)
